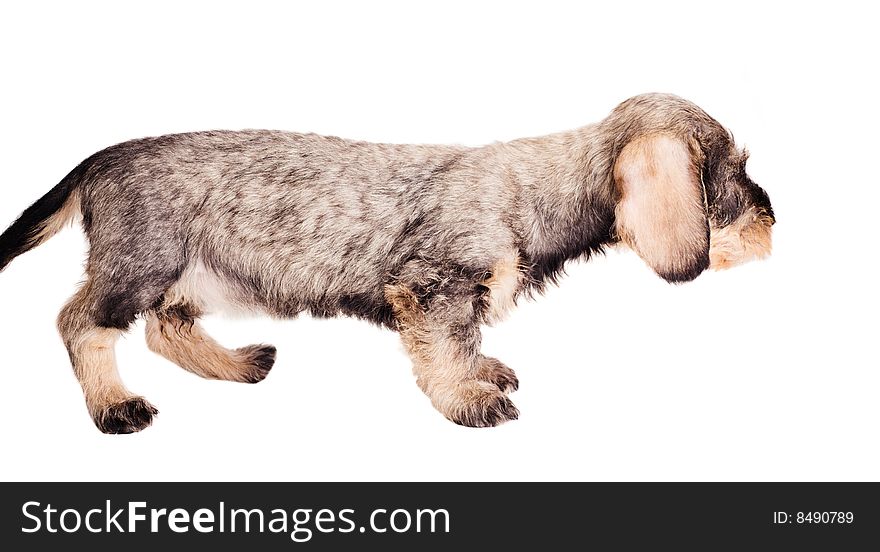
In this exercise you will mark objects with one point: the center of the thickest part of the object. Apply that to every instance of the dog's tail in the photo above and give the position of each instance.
(43, 219)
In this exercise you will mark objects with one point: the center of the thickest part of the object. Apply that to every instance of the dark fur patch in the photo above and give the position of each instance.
(700, 263)
(369, 307)
(729, 189)
(262, 358)
(19, 237)
(128, 416)
(182, 312)
(182, 316)
(758, 197)
(444, 279)
(588, 237)
(120, 304)
(118, 311)
(500, 409)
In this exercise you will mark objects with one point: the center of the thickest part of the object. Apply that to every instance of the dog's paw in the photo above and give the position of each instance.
(495, 371)
(257, 360)
(128, 416)
(481, 404)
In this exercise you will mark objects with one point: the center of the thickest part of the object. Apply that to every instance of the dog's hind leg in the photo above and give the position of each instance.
(443, 340)
(90, 332)
(176, 334)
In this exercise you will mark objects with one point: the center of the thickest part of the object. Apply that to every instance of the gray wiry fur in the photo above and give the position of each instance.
(430, 241)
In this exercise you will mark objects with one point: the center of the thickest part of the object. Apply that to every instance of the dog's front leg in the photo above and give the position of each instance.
(494, 371)
(443, 340)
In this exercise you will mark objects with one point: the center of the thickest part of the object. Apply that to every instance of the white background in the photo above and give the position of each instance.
(765, 372)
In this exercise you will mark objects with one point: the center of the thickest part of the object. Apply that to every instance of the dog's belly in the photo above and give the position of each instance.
(207, 291)
(231, 289)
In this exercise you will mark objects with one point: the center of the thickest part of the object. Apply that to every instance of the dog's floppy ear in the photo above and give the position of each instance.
(661, 213)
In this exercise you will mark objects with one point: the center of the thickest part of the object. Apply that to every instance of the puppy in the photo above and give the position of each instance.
(429, 241)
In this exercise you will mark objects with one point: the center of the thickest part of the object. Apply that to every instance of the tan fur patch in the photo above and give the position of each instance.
(404, 303)
(504, 284)
(95, 365)
(187, 345)
(748, 237)
(661, 214)
(68, 214)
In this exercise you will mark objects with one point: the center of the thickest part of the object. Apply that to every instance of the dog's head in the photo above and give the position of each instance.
(739, 212)
(685, 207)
